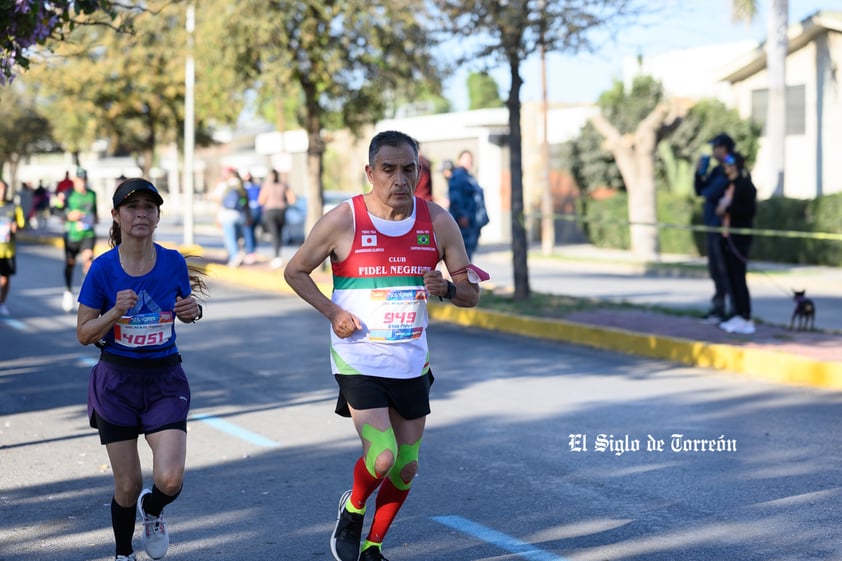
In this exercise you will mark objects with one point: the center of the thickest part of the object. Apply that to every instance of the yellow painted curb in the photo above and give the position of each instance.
(763, 364)
(270, 281)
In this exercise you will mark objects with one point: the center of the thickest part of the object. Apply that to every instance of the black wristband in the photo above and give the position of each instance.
(451, 291)
(197, 318)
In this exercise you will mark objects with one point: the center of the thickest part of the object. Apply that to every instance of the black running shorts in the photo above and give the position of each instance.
(410, 398)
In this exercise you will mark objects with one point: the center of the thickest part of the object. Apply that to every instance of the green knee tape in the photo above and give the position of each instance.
(407, 453)
(381, 441)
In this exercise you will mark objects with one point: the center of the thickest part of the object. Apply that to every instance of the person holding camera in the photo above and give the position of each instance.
(711, 185)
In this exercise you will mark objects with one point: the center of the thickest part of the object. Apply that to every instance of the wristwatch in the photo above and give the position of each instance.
(197, 318)
(451, 291)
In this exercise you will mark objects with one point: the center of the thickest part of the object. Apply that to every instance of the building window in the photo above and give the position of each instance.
(796, 111)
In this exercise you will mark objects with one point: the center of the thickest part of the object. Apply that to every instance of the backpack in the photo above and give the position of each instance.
(481, 217)
(233, 200)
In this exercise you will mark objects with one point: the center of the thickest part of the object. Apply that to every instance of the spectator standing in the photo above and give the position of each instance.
(65, 184)
(233, 214)
(11, 219)
(275, 197)
(378, 317)
(737, 208)
(78, 206)
(41, 206)
(467, 202)
(250, 232)
(26, 199)
(424, 189)
(128, 306)
(710, 184)
(446, 168)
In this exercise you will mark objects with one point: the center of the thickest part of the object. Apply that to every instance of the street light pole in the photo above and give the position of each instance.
(547, 207)
(189, 191)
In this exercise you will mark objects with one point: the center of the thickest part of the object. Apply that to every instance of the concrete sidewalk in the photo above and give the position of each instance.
(774, 353)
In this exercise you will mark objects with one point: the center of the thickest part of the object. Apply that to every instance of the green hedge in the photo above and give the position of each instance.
(603, 224)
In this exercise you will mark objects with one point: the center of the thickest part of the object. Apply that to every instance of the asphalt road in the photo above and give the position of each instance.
(505, 474)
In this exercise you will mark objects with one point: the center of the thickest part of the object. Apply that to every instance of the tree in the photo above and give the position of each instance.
(594, 167)
(508, 32)
(126, 87)
(483, 91)
(634, 146)
(589, 163)
(706, 119)
(27, 23)
(23, 131)
(776, 49)
(349, 59)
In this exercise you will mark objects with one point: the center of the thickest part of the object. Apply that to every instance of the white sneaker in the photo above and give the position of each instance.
(712, 319)
(67, 301)
(4, 311)
(728, 324)
(276, 263)
(155, 537)
(235, 261)
(745, 327)
(731, 324)
(738, 325)
(126, 557)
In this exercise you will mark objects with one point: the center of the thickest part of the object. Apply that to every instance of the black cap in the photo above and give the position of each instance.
(131, 186)
(723, 139)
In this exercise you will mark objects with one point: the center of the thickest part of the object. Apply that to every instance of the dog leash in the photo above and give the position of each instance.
(742, 258)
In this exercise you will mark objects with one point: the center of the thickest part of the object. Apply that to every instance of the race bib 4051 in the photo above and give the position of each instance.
(144, 330)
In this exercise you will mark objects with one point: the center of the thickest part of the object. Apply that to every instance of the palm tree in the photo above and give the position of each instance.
(777, 22)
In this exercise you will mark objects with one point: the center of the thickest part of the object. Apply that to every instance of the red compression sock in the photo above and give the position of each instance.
(389, 502)
(365, 484)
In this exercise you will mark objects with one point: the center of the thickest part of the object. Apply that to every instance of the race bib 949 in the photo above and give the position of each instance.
(398, 315)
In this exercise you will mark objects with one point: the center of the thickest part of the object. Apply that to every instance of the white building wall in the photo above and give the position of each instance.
(470, 130)
(800, 177)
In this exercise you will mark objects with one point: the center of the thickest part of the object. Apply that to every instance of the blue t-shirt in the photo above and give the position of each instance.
(147, 330)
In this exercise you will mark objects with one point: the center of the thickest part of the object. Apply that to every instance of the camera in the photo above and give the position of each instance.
(704, 162)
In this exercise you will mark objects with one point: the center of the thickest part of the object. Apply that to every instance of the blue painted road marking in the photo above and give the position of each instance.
(507, 543)
(234, 430)
(14, 324)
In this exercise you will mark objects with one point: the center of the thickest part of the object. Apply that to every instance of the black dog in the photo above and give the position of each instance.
(804, 316)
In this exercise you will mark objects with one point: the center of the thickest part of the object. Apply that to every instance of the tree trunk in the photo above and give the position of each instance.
(146, 159)
(315, 151)
(636, 164)
(635, 155)
(519, 243)
(643, 233)
(776, 47)
(14, 162)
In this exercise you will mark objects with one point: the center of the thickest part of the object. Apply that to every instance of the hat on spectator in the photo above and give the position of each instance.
(131, 186)
(723, 139)
(446, 165)
(81, 173)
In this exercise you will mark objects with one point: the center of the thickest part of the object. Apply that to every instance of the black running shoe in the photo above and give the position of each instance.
(372, 553)
(345, 541)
